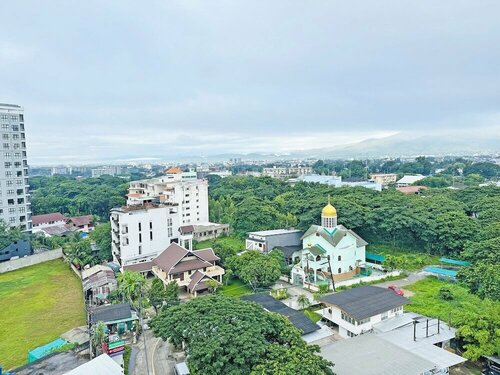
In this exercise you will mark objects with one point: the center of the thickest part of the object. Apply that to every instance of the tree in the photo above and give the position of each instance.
(157, 293)
(482, 279)
(213, 285)
(9, 234)
(171, 294)
(99, 336)
(303, 301)
(255, 268)
(79, 253)
(225, 335)
(131, 285)
(101, 235)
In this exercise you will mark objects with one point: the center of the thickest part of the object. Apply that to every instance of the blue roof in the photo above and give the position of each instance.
(376, 257)
(454, 262)
(44, 350)
(441, 271)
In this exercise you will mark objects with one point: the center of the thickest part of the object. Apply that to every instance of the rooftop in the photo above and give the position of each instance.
(111, 313)
(297, 318)
(365, 301)
(275, 232)
(47, 218)
(410, 179)
(102, 365)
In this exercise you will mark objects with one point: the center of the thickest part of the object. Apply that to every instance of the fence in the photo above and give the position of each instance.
(31, 260)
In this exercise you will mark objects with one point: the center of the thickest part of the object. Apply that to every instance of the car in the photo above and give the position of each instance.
(396, 290)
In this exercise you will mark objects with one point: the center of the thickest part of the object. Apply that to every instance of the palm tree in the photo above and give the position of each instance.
(303, 301)
(131, 285)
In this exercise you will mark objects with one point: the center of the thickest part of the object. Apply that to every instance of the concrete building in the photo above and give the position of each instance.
(336, 181)
(106, 171)
(266, 240)
(329, 251)
(205, 231)
(287, 172)
(140, 233)
(357, 310)
(384, 179)
(409, 180)
(190, 195)
(15, 206)
(408, 344)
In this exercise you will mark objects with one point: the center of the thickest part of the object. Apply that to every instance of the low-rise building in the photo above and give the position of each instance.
(48, 220)
(266, 240)
(189, 269)
(409, 180)
(384, 179)
(118, 318)
(83, 223)
(416, 189)
(205, 231)
(321, 179)
(408, 344)
(355, 311)
(98, 281)
(287, 172)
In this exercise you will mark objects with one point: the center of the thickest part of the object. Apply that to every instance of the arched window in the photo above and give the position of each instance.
(350, 268)
(340, 270)
(318, 258)
(340, 258)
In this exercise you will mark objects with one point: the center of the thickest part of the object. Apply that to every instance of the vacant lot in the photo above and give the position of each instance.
(236, 288)
(37, 304)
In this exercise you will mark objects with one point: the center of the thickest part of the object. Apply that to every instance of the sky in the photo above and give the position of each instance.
(116, 80)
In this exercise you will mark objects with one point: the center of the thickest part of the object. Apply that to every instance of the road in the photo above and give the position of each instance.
(412, 277)
(160, 359)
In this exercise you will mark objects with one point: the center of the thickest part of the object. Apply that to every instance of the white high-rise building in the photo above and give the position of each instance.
(155, 211)
(15, 206)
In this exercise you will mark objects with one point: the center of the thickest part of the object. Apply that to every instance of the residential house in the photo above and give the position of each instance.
(48, 220)
(82, 223)
(98, 281)
(408, 344)
(414, 189)
(329, 251)
(355, 311)
(118, 318)
(189, 269)
(266, 240)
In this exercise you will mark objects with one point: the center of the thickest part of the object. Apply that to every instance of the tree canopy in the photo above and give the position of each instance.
(225, 335)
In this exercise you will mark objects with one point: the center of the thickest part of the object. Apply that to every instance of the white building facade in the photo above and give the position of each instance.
(15, 199)
(156, 209)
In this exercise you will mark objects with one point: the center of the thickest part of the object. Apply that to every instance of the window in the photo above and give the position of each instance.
(170, 232)
(140, 237)
(150, 225)
(8, 164)
(5, 126)
(6, 146)
(363, 321)
(12, 219)
(140, 249)
(318, 258)
(7, 154)
(15, 128)
(340, 270)
(9, 183)
(384, 316)
(5, 136)
(14, 136)
(347, 318)
(151, 236)
(350, 334)
(340, 258)
(139, 226)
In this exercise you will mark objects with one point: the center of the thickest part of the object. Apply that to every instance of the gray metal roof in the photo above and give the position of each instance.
(369, 354)
(365, 301)
(297, 318)
(111, 313)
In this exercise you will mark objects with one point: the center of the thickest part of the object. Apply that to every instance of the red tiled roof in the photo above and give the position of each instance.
(207, 254)
(80, 221)
(139, 267)
(47, 218)
(173, 170)
(411, 189)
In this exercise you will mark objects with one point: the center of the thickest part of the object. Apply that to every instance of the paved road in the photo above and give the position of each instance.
(159, 355)
(413, 277)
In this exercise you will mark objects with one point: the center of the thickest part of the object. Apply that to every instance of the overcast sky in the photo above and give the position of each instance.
(123, 79)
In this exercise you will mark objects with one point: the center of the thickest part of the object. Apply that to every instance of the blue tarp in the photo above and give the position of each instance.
(374, 257)
(42, 351)
(454, 262)
(441, 271)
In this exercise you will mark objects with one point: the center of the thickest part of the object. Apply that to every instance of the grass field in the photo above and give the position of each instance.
(236, 288)
(313, 315)
(37, 304)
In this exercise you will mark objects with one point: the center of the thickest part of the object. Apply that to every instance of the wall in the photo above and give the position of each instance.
(31, 260)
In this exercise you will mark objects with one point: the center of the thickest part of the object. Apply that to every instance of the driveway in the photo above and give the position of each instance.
(412, 278)
(161, 360)
(293, 293)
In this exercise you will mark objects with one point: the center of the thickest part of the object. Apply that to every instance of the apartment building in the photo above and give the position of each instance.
(15, 206)
(156, 210)
(106, 171)
(384, 179)
(287, 172)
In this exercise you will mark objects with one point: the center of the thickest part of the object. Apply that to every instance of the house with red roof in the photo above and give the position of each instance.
(189, 269)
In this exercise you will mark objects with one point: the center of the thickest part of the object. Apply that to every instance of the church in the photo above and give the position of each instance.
(328, 251)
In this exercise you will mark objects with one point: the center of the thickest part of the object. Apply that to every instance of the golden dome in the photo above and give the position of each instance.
(329, 210)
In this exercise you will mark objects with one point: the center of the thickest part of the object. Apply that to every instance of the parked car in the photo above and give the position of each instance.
(181, 369)
(396, 289)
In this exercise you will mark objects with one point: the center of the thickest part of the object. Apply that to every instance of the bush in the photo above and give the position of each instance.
(445, 294)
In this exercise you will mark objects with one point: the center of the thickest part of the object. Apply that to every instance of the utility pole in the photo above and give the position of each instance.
(142, 329)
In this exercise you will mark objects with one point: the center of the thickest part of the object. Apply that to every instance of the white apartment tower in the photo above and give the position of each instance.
(15, 206)
(156, 209)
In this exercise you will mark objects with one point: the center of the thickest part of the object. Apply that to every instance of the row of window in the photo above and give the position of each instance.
(13, 192)
(13, 219)
(18, 173)
(12, 210)
(12, 117)
(15, 146)
(17, 155)
(16, 128)
(17, 164)
(15, 136)
(351, 320)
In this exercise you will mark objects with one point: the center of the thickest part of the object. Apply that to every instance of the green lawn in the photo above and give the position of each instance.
(229, 241)
(236, 288)
(38, 304)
